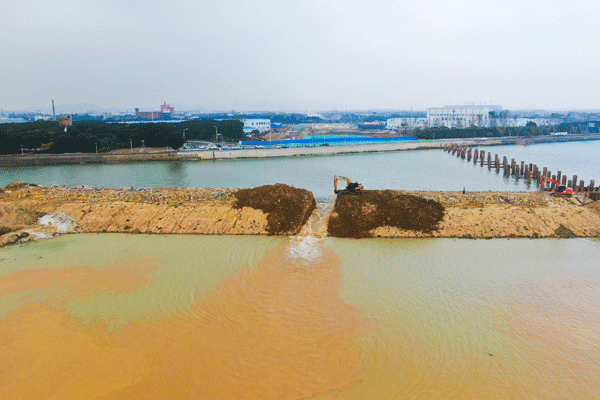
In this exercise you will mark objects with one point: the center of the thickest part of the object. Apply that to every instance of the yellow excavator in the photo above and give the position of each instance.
(351, 187)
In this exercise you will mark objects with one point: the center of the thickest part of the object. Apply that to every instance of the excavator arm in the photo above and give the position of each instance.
(560, 188)
(351, 187)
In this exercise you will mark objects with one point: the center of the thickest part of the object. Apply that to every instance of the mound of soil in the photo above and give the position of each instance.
(288, 208)
(19, 185)
(354, 215)
(564, 232)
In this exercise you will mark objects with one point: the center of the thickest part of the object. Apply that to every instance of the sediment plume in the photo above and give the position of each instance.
(277, 331)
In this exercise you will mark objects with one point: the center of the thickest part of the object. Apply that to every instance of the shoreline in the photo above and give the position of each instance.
(372, 214)
(144, 155)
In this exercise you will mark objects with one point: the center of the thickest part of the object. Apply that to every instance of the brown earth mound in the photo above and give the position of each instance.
(288, 208)
(19, 185)
(355, 215)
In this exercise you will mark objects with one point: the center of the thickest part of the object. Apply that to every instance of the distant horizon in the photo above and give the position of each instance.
(180, 108)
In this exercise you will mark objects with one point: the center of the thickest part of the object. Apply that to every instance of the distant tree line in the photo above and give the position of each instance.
(496, 131)
(84, 136)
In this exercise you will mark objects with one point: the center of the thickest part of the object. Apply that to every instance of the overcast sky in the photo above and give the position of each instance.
(300, 55)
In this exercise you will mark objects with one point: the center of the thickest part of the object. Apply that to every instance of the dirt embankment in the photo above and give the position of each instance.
(287, 208)
(453, 214)
(266, 210)
(357, 215)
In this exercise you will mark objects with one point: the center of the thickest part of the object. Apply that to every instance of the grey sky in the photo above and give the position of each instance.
(300, 55)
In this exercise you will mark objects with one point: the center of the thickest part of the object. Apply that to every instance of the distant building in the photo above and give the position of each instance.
(524, 121)
(405, 123)
(260, 125)
(375, 125)
(463, 116)
(166, 112)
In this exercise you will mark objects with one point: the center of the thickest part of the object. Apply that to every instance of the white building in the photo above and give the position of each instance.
(260, 125)
(515, 121)
(405, 123)
(463, 116)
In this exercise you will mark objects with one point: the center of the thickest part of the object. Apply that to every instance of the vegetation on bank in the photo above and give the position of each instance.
(496, 131)
(89, 136)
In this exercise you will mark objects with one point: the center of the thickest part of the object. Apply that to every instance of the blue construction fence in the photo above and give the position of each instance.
(324, 141)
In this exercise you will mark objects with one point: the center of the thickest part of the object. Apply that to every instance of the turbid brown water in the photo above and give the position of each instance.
(132, 316)
(278, 331)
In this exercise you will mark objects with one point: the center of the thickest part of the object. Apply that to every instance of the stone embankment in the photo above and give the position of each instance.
(458, 215)
(266, 210)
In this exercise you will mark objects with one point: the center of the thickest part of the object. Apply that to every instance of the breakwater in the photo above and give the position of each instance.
(523, 170)
(143, 155)
(284, 210)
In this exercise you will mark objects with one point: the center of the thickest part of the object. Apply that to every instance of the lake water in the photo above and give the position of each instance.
(405, 170)
(136, 316)
(220, 317)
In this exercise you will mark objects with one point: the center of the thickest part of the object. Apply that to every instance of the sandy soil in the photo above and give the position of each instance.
(191, 211)
(501, 214)
(283, 210)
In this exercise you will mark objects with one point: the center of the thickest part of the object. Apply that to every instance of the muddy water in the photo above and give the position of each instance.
(134, 316)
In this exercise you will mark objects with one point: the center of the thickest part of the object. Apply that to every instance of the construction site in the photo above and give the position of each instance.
(30, 212)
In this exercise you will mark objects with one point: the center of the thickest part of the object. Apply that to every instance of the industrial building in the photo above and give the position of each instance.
(260, 125)
(463, 116)
(405, 123)
(166, 112)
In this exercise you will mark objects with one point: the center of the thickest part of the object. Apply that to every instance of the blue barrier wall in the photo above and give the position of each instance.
(328, 141)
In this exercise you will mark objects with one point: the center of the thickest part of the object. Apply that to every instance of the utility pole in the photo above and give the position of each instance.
(216, 134)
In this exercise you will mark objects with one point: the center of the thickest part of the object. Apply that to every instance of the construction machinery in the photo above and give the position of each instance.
(561, 190)
(351, 187)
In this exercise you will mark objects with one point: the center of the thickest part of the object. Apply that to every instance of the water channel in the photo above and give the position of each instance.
(140, 316)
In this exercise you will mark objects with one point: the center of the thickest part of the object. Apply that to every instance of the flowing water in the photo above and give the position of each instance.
(219, 317)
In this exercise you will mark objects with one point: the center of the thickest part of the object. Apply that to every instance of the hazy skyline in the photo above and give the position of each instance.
(297, 56)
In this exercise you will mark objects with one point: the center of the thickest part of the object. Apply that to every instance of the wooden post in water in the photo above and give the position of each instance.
(497, 162)
(558, 175)
(481, 156)
(475, 156)
(512, 166)
(517, 172)
(469, 154)
(522, 167)
(489, 160)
